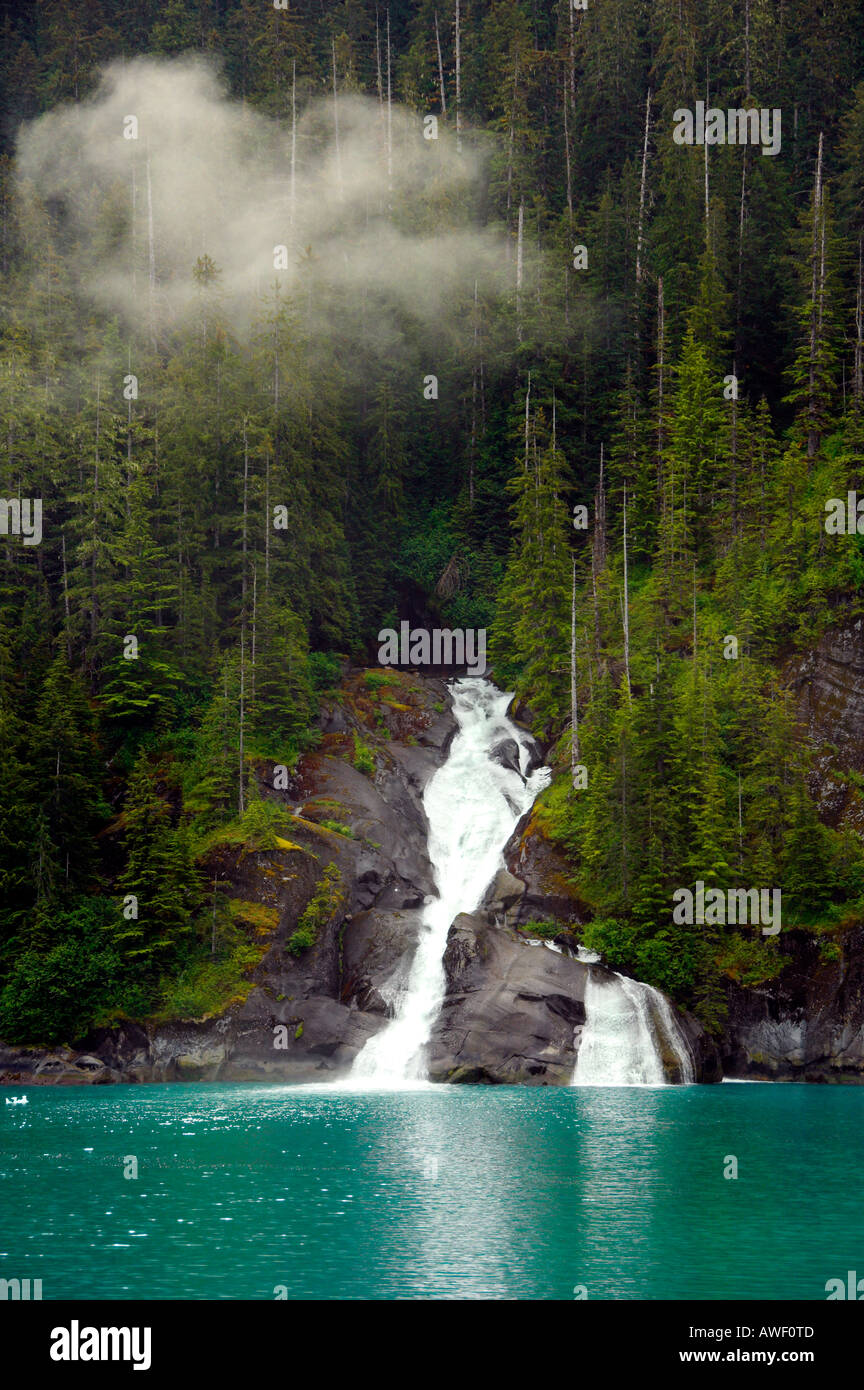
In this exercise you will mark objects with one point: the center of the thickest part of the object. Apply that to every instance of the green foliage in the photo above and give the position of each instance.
(323, 904)
(609, 938)
(262, 823)
(204, 988)
(159, 876)
(376, 680)
(53, 997)
(364, 759)
(66, 767)
(529, 640)
(323, 669)
(545, 931)
(338, 828)
(750, 960)
(161, 508)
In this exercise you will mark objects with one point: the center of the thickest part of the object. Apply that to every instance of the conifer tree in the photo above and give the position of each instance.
(159, 877)
(66, 775)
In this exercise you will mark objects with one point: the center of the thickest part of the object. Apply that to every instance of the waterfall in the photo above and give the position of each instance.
(628, 1027)
(472, 804)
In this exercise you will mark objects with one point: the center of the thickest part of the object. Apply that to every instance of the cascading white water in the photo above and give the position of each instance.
(472, 805)
(626, 1024)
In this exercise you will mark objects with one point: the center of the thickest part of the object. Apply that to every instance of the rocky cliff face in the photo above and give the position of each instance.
(808, 1024)
(828, 684)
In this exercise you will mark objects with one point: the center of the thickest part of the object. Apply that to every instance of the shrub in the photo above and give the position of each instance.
(338, 828)
(323, 670)
(374, 680)
(325, 900)
(546, 931)
(750, 961)
(207, 987)
(261, 822)
(54, 997)
(364, 759)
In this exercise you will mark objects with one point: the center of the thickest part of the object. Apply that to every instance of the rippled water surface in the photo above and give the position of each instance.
(448, 1192)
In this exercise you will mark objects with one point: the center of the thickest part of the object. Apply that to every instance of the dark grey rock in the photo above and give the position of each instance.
(506, 753)
(504, 894)
(512, 1012)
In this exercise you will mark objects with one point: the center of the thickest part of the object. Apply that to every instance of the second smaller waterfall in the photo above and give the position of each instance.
(629, 1026)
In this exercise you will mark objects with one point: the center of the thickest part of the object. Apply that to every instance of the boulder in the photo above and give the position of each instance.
(504, 893)
(506, 753)
(512, 1012)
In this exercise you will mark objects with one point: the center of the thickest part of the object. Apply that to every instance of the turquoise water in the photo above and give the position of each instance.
(446, 1192)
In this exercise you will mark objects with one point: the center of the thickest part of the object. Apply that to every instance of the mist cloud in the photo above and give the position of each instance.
(212, 176)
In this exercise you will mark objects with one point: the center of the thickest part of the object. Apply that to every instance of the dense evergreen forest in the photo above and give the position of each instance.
(592, 391)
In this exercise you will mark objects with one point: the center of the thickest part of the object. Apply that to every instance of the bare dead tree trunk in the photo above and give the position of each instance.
(254, 635)
(626, 614)
(741, 219)
(734, 453)
(519, 235)
(440, 68)
(707, 192)
(241, 790)
(133, 229)
(151, 259)
(694, 614)
(66, 597)
(566, 160)
(267, 528)
(598, 551)
(642, 188)
(293, 142)
(389, 115)
(245, 507)
(93, 623)
(661, 346)
(129, 435)
(378, 60)
(510, 139)
(624, 818)
(812, 412)
(473, 405)
(859, 326)
(336, 122)
(574, 709)
(458, 82)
